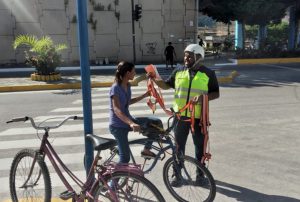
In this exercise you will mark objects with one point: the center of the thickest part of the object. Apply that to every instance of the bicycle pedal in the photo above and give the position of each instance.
(66, 195)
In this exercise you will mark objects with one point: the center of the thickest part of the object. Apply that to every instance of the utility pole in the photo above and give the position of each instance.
(133, 31)
(85, 80)
(196, 20)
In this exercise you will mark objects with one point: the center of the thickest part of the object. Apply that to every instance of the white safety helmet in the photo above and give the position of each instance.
(196, 49)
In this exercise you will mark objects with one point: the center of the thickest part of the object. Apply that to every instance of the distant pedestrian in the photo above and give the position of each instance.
(170, 54)
(201, 43)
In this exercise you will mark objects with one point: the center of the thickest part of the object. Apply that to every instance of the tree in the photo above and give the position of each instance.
(251, 12)
(277, 34)
(219, 10)
(247, 11)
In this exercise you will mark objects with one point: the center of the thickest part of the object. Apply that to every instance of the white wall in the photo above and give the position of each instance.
(162, 21)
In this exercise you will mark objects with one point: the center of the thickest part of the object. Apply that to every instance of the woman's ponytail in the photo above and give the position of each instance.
(122, 68)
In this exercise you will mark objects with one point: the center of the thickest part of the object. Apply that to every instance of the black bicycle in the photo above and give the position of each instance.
(184, 176)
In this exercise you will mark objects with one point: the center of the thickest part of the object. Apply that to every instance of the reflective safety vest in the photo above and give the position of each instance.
(185, 90)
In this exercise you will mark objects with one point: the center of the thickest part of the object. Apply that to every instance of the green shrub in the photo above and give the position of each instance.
(43, 54)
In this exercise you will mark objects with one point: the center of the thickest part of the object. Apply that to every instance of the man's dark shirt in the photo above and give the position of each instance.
(169, 51)
(213, 85)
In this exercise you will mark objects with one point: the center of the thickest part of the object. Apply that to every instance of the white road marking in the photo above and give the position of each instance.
(282, 67)
(64, 128)
(104, 107)
(57, 118)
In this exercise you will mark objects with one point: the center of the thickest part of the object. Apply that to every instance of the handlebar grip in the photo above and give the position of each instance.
(172, 110)
(18, 119)
(78, 118)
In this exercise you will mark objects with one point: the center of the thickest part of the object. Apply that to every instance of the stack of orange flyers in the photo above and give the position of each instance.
(153, 71)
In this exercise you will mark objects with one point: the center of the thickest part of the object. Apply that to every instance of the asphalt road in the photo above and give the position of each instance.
(254, 137)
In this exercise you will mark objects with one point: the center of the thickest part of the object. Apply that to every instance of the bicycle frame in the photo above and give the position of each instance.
(46, 149)
(92, 182)
(161, 151)
(89, 186)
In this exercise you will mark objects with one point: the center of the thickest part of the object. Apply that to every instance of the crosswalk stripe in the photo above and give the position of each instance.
(55, 180)
(65, 128)
(70, 158)
(102, 107)
(106, 100)
(134, 94)
(56, 118)
(64, 141)
(139, 87)
(67, 159)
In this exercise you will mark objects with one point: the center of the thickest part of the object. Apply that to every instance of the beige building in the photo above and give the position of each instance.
(214, 32)
(109, 27)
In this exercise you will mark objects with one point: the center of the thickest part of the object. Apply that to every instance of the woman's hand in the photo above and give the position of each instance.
(135, 127)
(150, 75)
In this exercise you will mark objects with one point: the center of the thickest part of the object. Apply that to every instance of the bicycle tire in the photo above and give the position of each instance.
(126, 192)
(23, 160)
(187, 188)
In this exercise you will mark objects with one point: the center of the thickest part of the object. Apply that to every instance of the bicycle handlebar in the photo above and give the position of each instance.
(44, 127)
(146, 129)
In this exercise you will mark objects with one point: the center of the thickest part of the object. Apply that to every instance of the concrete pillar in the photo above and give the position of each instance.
(292, 28)
(298, 34)
(239, 35)
(261, 35)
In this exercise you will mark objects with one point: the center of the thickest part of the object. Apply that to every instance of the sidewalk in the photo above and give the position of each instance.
(103, 77)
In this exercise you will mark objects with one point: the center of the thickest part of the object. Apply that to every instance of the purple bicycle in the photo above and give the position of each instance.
(29, 177)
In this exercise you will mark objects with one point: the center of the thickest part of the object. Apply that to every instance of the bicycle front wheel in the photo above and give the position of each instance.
(37, 187)
(127, 187)
(189, 180)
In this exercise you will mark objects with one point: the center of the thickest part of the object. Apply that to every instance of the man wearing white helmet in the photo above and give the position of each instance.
(190, 82)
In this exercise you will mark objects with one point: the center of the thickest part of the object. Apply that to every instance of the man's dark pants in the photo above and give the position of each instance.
(182, 129)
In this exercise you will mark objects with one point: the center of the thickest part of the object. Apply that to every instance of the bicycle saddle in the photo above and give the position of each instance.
(100, 143)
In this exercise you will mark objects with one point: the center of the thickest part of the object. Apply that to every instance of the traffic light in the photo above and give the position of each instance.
(137, 12)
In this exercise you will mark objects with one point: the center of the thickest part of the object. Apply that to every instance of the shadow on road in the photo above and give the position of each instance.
(251, 76)
(244, 194)
(67, 92)
(65, 80)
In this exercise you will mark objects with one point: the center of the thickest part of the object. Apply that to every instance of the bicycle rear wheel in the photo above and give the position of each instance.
(184, 185)
(38, 187)
(128, 187)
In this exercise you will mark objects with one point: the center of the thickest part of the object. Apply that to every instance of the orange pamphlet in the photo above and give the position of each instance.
(153, 71)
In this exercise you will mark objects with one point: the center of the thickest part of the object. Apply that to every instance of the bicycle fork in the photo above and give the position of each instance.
(31, 171)
(178, 166)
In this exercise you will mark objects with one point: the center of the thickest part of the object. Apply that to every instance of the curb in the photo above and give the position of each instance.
(51, 86)
(19, 88)
(228, 79)
(266, 61)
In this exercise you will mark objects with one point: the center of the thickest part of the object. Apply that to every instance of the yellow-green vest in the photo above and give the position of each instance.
(183, 95)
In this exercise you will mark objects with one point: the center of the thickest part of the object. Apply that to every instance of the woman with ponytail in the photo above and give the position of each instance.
(120, 120)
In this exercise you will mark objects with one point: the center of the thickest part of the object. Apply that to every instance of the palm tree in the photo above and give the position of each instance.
(43, 54)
